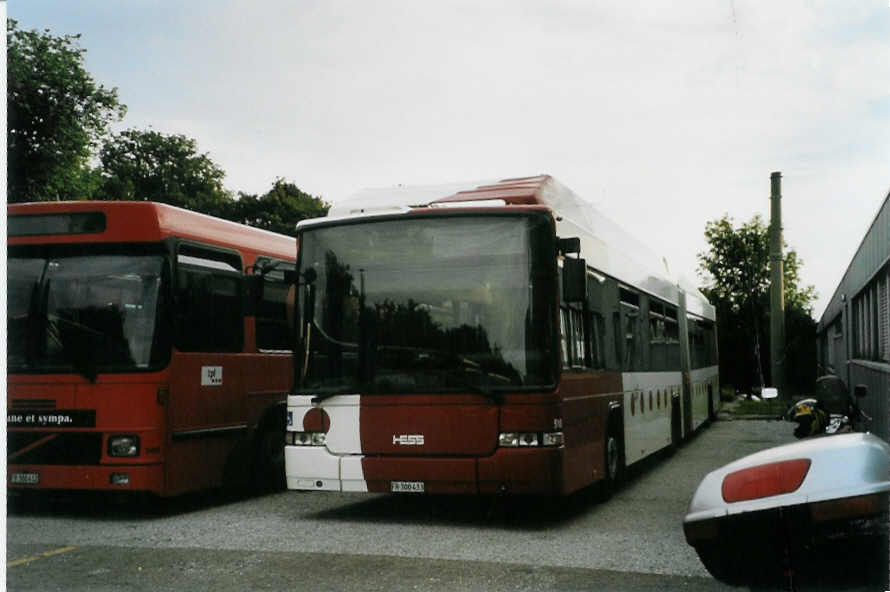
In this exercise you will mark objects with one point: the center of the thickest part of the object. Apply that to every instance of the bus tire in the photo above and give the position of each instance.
(613, 459)
(269, 457)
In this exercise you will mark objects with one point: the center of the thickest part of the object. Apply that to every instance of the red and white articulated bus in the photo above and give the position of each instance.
(483, 339)
(134, 363)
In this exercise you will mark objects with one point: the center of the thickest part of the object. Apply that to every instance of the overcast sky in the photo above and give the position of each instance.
(663, 114)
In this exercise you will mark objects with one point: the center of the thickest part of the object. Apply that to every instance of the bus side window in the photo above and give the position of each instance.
(657, 341)
(672, 336)
(564, 337)
(273, 330)
(574, 338)
(629, 334)
(618, 340)
(579, 340)
(596, 333)
(208, 301)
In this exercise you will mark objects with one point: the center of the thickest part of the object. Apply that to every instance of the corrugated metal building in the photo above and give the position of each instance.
(854, 331)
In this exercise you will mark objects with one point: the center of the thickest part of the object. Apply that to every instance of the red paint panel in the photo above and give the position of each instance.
(195, 406)
(529, 415)
(21, 391)
(268, 379)
(573, 384)
(122, 406)
(316, 420)
(446, 428)
(586, 397)
(522, 471)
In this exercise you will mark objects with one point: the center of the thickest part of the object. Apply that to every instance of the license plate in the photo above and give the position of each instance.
(407, 486)
(24, 478)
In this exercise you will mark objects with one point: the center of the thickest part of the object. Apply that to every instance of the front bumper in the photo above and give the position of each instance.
(537, 471)
(142, 478)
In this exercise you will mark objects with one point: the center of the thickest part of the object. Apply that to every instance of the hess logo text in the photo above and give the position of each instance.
(407, 440)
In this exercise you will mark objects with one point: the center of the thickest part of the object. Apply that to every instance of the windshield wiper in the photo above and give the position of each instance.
(481, 389)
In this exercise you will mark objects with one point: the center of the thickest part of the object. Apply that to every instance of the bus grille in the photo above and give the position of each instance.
(53, 448)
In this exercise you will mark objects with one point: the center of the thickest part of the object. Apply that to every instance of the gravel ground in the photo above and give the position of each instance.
(638, 530)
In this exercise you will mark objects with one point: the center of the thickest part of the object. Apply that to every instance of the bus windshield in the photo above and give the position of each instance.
(70, 311)
(427, 304)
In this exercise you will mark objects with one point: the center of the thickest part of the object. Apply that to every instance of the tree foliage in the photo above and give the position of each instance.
(735, 271)
(736, 267)
(151, 166)
(146, 165)
(57, 115)
(279, 209)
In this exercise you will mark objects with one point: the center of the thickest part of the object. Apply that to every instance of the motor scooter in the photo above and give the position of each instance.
(830, 411)
(809, 514)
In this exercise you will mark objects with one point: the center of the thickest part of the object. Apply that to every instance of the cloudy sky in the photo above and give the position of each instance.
(665, 115)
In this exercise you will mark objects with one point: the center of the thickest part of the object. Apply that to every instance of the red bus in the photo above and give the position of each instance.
(135, 361)
(484, 339)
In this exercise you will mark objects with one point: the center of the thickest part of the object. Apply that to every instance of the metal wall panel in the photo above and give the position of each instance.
(877, 404)
(873, 253)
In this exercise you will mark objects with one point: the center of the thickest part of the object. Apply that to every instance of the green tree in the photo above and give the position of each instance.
(735, 272)
(57, 115)
(735, 269)
(146, 165)
(279, 209)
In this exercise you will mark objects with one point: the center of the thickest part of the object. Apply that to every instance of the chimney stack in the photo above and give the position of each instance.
(776, 289)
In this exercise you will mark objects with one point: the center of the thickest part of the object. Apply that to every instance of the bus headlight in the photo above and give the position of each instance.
(305, 438)
(524, 439)
(528, 439)
(123, 445)
(508, 439)
(553, 439)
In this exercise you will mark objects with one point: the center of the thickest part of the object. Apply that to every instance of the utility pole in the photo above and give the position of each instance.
(776, 288)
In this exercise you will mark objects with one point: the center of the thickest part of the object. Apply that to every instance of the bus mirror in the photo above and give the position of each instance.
(253, 293)
(574, 280)
(569, 245)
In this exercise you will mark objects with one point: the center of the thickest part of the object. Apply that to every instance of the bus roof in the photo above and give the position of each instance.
(144, 221)
(605, 245)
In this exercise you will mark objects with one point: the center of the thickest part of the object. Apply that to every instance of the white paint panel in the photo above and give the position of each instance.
(311, 467)
(699, 380)
(297, 406)
(344, 436)
(648, 431)
(352, 475)
(324, 468)
(343, 411)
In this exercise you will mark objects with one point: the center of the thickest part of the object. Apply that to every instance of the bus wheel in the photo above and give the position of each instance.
(269, 458)
(613, 462)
